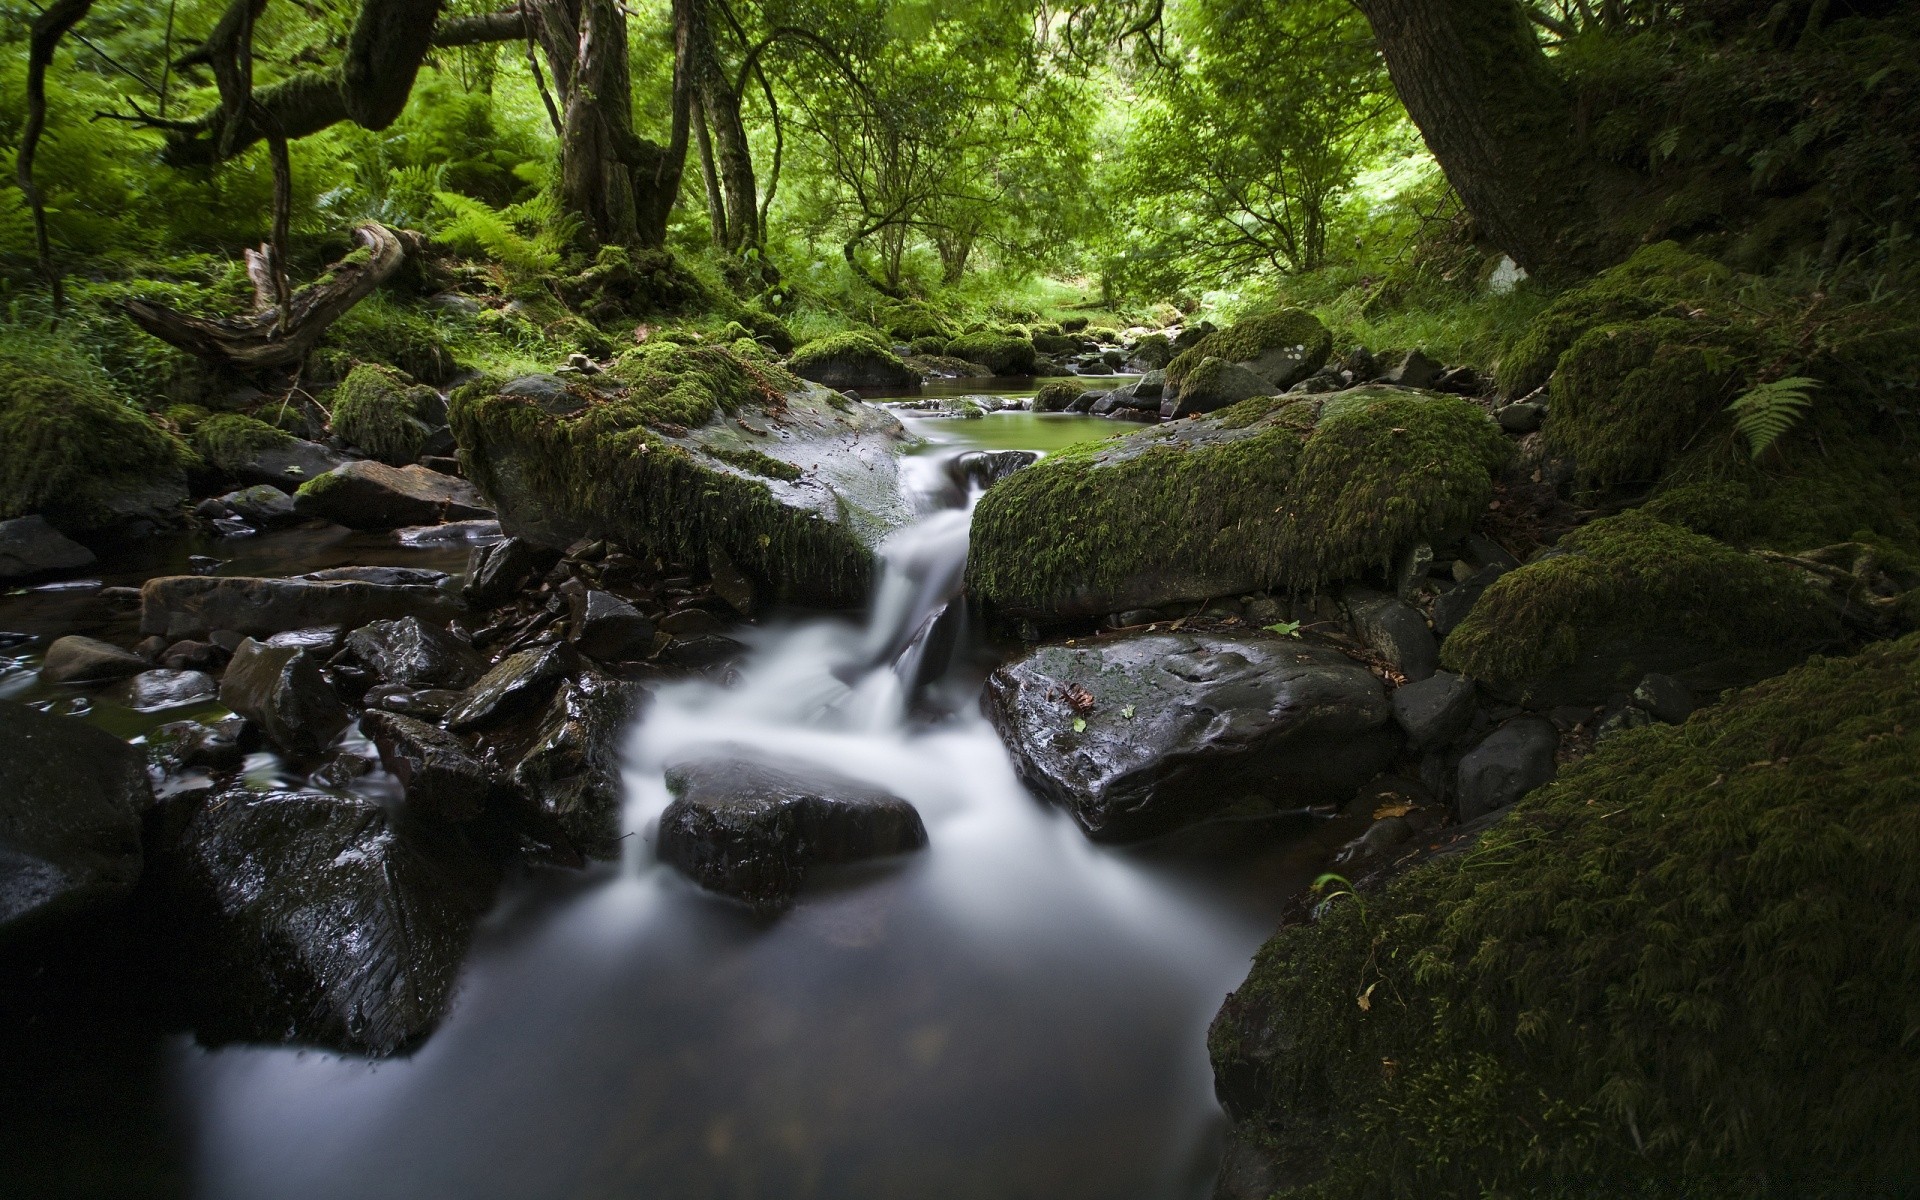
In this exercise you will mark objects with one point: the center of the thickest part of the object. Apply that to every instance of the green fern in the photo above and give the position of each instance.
(1766, 412)
(477, 227)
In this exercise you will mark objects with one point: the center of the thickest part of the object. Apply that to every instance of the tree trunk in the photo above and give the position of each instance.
(733, 154)
(1501, 125)
(709, 177)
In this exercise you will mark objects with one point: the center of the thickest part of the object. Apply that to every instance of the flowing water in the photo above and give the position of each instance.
(1012, 1012)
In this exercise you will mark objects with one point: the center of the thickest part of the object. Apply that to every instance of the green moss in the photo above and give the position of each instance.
(378, 410)
(753, 460)
(1630, 580)
(863, 350)
(383, 332)
(184, 417)
(229, 441)
(1154, 350)
(911, 321)
(676, 387)
(1384, 470)
(1268, 493)
(1001, 353)
(1684, 969)
(1626, 398)
(1251, 337)
(1055, 344)
(928, 346)
(68, 445)
(1651, 282)
(1058, 395)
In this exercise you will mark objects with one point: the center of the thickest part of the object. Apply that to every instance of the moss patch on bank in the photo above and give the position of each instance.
(1685, 968)
(69, 444)
(1267, 493)
(1625, 588)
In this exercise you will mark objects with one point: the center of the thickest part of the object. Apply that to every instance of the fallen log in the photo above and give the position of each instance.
(259, 341)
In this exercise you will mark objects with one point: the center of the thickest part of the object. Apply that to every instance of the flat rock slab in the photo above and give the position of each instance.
(287, 465)
(371, 495)
(752, 831)
(1142, 735)
(71, 799)
(309, 918)
(180, 607)
(29, 546)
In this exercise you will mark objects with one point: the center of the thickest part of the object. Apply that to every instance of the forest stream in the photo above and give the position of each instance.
(1016, 1012)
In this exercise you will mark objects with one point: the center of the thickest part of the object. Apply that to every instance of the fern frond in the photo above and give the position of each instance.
(477, 226)
(1766, 412)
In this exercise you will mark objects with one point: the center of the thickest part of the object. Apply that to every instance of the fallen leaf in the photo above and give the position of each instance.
(1391, 810)
(1366, 998)
(1079, 724)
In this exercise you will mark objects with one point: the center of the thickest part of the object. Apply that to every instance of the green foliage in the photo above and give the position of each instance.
(477, 228)
(380, 330)
(863, 348)
(1764, 413)
(1682, 969)
(1622, 583)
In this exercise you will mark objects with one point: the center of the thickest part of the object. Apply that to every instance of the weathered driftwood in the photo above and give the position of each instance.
(257, 341)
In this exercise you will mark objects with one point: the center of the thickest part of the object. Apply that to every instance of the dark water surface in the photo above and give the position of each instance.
(1012, 1013)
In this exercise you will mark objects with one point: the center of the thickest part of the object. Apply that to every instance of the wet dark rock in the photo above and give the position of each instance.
(1248, 1171)
(497, 573)
(1393, 630)
(730, 583)
(691, 622)
(71, 799)
(282, 690)
(516, 684)
(1665, 697)
(1461, 381)
(262, 505)
(77, 659)
(1414, 370)
(371, 495)
(413, 653)
(568, 770)
(1178, 727)
(452, 531)
(984, 468)
(180, 746)
(322, 641)
(344, 768)
(29, 547)
(1151, 386)
(607, 628)
(702, 650)
(442, 774)
(308, 918)
(1435, 710)
(1512, 761)
(152, 691)
(192, 656)
(430, 704)
(287, 465)
(1452, 606)
(193, 606)
(383, 576)
(753, 831)
(1211, 386)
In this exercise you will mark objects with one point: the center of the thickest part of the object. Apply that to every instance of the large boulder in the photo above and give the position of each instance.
(1279, 349)
(851, 360)
(1001, 353)
(75, 452)
(1274, 492)
(566, 763)
(696, 449)
(1630, 594)
(283, 464)
(77, 659)
(178, 607)
(383, 413)
(1140, 735)
(71, 799)
(1213, 384)
(752, 831)
(371, 495)
(443, 775)
(1684, 966)
(29, 547)
(306, 918)
(281, 690)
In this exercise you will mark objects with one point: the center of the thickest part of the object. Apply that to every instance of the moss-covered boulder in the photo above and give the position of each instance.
(1281, 348)
(402, 338)
(1627, 398)
(1269, 493)
(685, 449)
(384, 414)
(999, 352)
(80, 456)
(1684, 968)
(1631, 594)
(1058, 395)
(1658, 279)
(911, 321)
(1151, 353)
(851, 360)
(229, 442)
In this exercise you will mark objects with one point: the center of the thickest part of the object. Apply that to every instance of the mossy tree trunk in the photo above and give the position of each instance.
(734, 192)
(1504, 128)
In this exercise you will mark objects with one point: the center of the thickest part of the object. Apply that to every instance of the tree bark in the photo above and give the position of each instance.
(719, 102)
(1501, 125)
(48, 28)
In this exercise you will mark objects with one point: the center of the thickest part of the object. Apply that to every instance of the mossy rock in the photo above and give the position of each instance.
(912, 321)
(1000, 352)
(76, 453)
(682, 450)
(1058, 395)
(1630, 594)
(398, 337)
(1626, 399)
(1281, 347)
(382, 413)
(859, 359)
(226, 442)
(1056, 345)
(1153, 352)
(1270, 493)
(1683, 968)
(1655, 280)
(929, 346)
